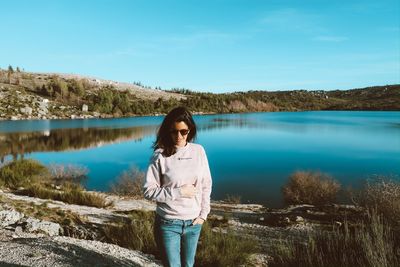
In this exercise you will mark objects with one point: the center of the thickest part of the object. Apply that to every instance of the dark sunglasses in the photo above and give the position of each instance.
(183, 131)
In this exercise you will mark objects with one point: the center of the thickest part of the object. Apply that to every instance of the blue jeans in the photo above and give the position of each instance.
(176, 241)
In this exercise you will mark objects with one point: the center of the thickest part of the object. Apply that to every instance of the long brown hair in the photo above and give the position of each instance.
(164, 139)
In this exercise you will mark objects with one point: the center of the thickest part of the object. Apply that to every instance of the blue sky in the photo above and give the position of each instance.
(208, 45)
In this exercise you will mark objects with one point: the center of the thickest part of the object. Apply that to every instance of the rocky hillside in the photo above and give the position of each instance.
(26, 95)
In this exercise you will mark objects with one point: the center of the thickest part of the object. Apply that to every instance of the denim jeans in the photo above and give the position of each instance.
(176, 241)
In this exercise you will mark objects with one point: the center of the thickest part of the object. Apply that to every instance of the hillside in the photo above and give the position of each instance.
(27, 95)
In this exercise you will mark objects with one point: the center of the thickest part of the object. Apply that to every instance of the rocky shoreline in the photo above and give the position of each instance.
(36, 242)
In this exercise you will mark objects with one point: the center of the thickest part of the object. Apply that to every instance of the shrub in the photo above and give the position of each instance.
(311, 188)
(22, 172)
(383, 195)
(129, 183)
(67, 173)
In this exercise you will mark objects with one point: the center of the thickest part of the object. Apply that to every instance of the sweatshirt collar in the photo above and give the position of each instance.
(182, 148)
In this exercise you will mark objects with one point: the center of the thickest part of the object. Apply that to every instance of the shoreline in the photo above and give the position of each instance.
(254, 220)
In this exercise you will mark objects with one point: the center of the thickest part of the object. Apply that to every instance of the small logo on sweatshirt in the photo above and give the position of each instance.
(184, 158)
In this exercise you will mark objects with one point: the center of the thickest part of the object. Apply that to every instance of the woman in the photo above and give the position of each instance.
(178, 179)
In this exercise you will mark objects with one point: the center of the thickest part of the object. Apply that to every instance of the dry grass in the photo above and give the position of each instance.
(136, 233)
(310, 188)
(129, 183)
(43, 212)
(71, 193)
(370, 243)
(383, 195)
(223, 249)
(214, 248)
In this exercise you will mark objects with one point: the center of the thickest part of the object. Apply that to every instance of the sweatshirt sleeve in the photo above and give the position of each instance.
(206, 187)
(152, 189)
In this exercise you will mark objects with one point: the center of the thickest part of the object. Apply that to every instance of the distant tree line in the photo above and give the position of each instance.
(110, 100)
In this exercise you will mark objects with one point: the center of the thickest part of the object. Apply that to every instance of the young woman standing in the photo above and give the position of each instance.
(178, 179)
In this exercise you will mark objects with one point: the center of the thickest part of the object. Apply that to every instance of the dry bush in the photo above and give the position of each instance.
(383, 195)
(310, 188)
(61, 173)
(129, 183)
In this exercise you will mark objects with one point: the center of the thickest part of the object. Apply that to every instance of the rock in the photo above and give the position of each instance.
(26, 110)
(34, 225)
(18, 230)
(73, 116)
(8, 217)
(299, 219)
(85, 108)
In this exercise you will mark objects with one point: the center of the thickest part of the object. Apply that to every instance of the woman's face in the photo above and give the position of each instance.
(179, 133)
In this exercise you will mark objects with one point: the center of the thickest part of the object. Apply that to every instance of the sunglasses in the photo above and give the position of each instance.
(182, 132)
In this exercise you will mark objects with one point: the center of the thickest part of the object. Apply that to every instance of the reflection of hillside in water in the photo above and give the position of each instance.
(220, 123)
(67, 139)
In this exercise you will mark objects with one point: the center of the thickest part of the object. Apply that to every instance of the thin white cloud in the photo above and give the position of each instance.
(330, 38)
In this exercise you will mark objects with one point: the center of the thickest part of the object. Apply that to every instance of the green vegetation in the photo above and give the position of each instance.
(36, 181)
(310, 188)
(21, 173)
(223, 249)
(136, 233)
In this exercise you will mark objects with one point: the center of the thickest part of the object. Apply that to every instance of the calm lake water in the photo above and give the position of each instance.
(251, 155)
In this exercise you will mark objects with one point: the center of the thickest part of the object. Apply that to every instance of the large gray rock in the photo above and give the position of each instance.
(8, 217)
(34, 226)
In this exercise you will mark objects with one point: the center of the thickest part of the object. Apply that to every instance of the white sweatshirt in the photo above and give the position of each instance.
(164, 176)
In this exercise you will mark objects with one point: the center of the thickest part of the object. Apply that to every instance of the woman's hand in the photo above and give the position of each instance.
(188, 190)
(198, 220)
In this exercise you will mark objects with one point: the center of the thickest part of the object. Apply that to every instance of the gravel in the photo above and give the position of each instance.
(65, 251)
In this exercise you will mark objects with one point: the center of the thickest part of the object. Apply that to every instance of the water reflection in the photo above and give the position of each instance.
(20, 143)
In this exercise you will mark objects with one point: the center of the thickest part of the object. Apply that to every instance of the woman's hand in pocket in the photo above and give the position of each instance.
(198, 220)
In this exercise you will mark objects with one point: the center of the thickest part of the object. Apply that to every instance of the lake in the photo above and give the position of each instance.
(251, 155)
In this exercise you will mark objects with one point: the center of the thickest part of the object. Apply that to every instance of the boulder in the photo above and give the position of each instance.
(8, 217)
(85, 108)
(33, 225)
